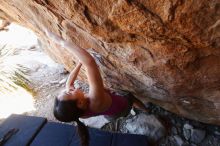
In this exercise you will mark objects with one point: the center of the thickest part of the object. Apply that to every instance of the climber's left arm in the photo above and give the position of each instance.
(72, 77)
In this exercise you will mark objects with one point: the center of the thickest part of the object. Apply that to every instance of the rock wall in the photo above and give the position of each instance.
(164, 51)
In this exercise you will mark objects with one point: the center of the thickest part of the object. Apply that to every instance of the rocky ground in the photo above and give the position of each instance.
(162, 127)
(166, 129)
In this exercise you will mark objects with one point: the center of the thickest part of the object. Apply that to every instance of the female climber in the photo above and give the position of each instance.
(72, 104)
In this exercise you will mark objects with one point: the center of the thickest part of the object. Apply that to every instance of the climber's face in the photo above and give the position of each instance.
(77, 95)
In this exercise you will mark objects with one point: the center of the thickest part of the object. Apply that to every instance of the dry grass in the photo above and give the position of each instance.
(12, 76)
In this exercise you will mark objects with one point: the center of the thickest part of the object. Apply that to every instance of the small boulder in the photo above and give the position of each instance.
(148, 125)
(197, 135)
(187, 131)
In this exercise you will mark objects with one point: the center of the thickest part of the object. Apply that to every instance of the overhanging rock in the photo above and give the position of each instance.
(164, 51)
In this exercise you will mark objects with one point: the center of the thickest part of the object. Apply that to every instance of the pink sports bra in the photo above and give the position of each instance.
(119, 104)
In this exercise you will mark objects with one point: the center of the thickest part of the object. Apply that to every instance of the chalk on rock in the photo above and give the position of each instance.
(147, 125)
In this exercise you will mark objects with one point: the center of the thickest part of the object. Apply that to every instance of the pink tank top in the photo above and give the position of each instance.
(119, 104)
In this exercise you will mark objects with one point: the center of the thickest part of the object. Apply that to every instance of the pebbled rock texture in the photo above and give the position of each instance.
(164, 51)
(148, 125)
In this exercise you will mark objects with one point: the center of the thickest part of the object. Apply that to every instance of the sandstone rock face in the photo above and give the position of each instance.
(164, 51)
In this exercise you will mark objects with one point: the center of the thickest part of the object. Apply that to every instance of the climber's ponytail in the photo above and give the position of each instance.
(83, 133)
(67, 111)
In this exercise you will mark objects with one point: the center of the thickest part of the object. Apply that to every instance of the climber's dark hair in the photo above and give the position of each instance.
(67, 111)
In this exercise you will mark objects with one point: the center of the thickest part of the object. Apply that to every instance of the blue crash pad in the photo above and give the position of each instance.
(55, 134)
(129, 140)
(36, 131)
(28, 128)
